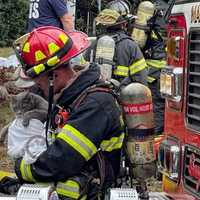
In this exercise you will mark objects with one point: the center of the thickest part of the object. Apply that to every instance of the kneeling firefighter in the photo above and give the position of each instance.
(83, 160)
(117, 53)
(146, 32)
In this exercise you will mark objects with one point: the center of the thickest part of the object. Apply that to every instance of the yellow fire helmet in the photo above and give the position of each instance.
(107, 17)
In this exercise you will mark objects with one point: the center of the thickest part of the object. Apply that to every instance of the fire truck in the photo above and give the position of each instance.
(179, 152)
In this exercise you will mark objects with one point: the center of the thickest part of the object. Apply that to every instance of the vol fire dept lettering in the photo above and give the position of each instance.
(132, 109)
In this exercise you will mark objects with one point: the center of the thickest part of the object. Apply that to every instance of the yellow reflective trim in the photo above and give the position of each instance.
(39, 68)
(53, 48)
(150, 79)
(82, 60)
(137, 66)
(69, 188)
(156, 63)
(3, 174)
(121, 121)
(54, 135)
(84, 197)
(25, 170)
(26, 47)
(53, 61)
(78, 141)
(153, 35)
(113, 143)
(64, 38)
(39, 56)
(121, 71)
(75, 145)
(72, 183)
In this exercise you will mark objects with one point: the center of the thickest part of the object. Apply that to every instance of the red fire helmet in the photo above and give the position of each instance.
(46, 48)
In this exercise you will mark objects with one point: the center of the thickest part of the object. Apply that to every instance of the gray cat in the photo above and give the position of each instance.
(27, 106)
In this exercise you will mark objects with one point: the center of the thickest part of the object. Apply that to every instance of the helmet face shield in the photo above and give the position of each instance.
(116, 12)
(46, 48)
(120, 6)
(18, 45)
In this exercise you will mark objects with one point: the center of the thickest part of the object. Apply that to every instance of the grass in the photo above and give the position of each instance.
(6, 51)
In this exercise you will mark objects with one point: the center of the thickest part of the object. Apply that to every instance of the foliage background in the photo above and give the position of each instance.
(13, 20)
(14, 17)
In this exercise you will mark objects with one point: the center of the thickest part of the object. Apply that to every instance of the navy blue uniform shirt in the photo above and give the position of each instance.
(46, 13)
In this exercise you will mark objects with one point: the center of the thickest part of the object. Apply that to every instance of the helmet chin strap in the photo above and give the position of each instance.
(50, 103)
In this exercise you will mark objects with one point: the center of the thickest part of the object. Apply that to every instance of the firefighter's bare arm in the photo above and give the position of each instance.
(60, 8)
(67, 22)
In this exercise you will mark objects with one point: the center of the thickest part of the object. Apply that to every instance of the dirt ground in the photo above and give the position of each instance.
(5, 163)
(5, 117)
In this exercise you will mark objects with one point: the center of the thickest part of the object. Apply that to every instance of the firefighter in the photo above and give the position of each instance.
(147, 32)
(155, 67)
(155, 56)
(85, 154)
(127, 58)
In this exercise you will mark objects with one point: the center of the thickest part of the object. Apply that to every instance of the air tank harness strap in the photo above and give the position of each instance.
(141, 27)
(102, 87)
(102, 61)
(140, 133)
(50, 102)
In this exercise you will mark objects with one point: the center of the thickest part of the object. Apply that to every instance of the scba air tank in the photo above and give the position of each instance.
(145, 11)
(104, 55)
(137, 107)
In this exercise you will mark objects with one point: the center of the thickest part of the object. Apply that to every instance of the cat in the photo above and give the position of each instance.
(26, 105)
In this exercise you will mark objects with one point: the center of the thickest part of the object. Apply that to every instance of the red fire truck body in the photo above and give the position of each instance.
(179, 153)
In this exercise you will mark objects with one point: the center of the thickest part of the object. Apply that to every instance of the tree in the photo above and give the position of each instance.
(13, 20)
